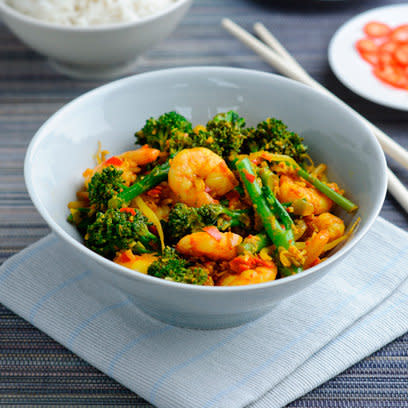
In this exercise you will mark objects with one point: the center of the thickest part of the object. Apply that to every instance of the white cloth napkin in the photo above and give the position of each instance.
(304, 341)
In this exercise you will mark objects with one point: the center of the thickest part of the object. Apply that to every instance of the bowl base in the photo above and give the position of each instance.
(204, 322)
(79, 71)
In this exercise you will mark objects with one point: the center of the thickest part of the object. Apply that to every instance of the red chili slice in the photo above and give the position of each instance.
(124, 257)
(400, 34)
(386, 53)
(315, 262)
(370, 57)
(214, 232)
(386, 50)
(128, 210)
(250, 177)
(392, 75)
(388, 47)
(401, 54)
(366, 45)
(376, 29)
(385, 59)
(114, 161)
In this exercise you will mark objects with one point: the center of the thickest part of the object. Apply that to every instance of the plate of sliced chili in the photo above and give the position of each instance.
(369, 55)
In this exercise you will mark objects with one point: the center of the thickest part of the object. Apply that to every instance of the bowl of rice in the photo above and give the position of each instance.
(92, 39)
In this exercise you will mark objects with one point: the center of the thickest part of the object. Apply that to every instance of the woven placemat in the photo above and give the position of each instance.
(36, 371)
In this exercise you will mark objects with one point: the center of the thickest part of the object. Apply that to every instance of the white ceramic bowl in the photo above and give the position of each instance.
(65, 144)
(98, 51)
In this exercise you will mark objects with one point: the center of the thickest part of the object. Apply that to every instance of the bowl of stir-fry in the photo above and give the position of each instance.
(207, 194)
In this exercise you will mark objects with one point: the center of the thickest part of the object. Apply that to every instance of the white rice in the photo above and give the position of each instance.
(84, 13)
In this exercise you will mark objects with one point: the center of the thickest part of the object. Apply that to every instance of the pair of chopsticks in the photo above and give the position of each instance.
(273, 52)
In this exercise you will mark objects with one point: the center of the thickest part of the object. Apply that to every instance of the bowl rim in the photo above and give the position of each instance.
(7, 9)
(135, 275)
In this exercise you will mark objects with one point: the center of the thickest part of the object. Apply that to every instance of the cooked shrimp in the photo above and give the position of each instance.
(325, 228)
(292, 189)
(199, 175)
(214, 245)
(129, 162)
(315, 247)
(138, 263)
(327, 221)
(248, 269)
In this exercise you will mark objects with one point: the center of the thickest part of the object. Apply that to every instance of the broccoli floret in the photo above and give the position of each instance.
(104, 185)
(231, 117)
(172, 132)
(171, 266)
(273, 135)
(115, 230)
(146, 183)
(184, 220)
(81, 218)
(224, 134)
(169, 133)
(107, 190)
(223, 218)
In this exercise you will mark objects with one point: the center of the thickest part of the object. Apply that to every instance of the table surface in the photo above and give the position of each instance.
(35, 370)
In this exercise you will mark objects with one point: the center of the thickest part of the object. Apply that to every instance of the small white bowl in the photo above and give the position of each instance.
(66, 143)
(95, 52)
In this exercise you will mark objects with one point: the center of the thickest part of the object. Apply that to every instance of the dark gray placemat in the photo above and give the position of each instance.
(34, 370)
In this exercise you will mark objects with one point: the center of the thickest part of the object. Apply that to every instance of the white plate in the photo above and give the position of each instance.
(353, 71)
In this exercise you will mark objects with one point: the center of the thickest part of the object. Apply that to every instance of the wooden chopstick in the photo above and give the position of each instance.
(397, 189)
(291, 68)
(268, 38)
(279, 58)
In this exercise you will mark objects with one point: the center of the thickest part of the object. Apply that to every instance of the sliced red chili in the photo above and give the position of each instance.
(366, 45)
(400, 34)
(385, 59)
(371, 57)
(401, 54)
(392, 75)
(250, 177)
(128, 210)
(388, 46)
(315, 262)
(387, 51)
(114, 161)
(377, 29)
(124, 257)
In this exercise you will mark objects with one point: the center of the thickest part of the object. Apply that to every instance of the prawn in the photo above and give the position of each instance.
(199, 175)
(129, 162)
(214, 245)
(327, 228)
(315, 247)
(327, 221)
(248, 269)
(292, 190)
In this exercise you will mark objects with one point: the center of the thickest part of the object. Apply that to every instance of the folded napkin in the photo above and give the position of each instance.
(305, 340)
